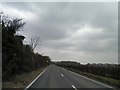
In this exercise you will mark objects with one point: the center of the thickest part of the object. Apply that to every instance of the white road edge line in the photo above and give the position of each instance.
(89, 79)
(74, 87)
(62, 74)
(35, 79)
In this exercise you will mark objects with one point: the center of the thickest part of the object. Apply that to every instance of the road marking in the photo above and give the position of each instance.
(35, 79)
(62, 74)
(74, 87)
(89, 79)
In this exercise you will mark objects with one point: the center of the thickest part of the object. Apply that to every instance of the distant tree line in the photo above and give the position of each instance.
(16, 56)
(107, 70)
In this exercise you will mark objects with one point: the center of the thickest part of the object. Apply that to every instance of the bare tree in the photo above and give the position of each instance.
(34, 42)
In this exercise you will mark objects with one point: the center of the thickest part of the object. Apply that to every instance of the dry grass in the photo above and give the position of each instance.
(22, 80)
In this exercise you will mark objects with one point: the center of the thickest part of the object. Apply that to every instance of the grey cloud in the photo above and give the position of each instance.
(54, 21)
(56, 44)
(98, 46)
(21, 6)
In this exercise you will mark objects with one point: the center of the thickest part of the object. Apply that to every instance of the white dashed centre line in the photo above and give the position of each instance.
(62, 74)
(74, 87)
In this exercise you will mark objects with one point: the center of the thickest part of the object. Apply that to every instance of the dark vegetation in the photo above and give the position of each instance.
(105, 73)
(106, 70)
(17, 57)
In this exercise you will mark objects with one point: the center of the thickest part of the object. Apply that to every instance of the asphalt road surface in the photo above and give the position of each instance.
(57, 77)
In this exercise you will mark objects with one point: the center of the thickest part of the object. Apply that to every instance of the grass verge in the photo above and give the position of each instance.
(22, 80)
(109, 81)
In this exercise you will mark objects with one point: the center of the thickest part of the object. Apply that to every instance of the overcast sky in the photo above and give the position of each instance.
(84, 32)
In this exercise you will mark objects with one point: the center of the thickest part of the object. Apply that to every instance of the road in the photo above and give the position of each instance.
(57, 77)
